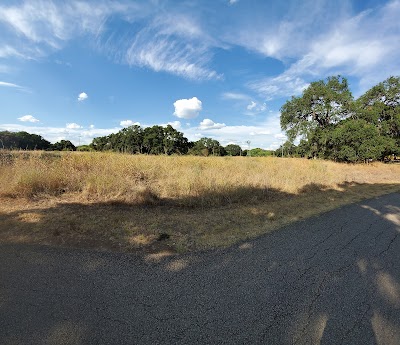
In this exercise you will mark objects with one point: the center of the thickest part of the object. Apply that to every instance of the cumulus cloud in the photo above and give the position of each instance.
(187, 108)
(210, 124)
(127, 123)
(231, 2)
(28, 118)
(175, 124)
(73, 125)
(82, 96)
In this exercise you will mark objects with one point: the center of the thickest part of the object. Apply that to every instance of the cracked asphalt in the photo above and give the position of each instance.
(332, 279)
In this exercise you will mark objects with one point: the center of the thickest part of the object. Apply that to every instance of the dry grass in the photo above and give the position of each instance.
(126, 202)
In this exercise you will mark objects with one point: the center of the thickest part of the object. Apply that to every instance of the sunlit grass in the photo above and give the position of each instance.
(183, 180)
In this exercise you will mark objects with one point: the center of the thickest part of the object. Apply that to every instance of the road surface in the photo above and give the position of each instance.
(332, 279)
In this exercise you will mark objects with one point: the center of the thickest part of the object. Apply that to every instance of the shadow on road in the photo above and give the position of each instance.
(333, 279)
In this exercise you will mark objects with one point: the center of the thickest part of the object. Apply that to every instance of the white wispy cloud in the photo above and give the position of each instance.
(208, 124)
(82, 96)
(255, 107)
(364, 46)
(7, 51)
(73, 125)
(187, 108)
(52, 23)
(28, 118)
(252, 105)
(175, 44)
(127, 123)
(12, 85)
(284, 85)
(6, 84)
(235, 96)
(172, 41)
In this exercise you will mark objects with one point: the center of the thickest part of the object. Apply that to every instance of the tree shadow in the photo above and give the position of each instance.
(326, 280)
(213, 219)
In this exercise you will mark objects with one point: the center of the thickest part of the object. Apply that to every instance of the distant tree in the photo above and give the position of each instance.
(99, 143)
(131, 139)
(174, 141)
(23, 141)
(206, 147)
(63, 145)
(287, 149)
(84, 148)
(151, 140)
(233, 150)
(258, 152)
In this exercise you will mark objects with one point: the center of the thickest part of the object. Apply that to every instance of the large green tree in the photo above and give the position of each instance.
(322, 104)
(381, 106)
(334, 126)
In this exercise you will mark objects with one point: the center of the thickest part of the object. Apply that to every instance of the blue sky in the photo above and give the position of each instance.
(220, 68)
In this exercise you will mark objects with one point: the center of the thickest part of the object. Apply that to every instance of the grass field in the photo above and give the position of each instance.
(129, 203)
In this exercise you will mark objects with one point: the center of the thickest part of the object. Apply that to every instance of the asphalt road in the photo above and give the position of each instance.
(333, 279)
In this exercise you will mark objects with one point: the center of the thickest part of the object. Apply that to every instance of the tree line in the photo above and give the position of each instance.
(28, 141)
(326, 121)
(165, 140)
(134, 140)
(331, 124)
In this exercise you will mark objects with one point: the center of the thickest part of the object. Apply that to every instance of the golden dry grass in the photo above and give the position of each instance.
(125, 202)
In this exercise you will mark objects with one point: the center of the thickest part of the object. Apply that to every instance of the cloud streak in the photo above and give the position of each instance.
(6, 84)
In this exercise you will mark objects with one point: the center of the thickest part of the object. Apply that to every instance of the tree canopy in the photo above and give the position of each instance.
(150, 140)
(332, 125)
(322, 104)
(63, 145)
(22, 140)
